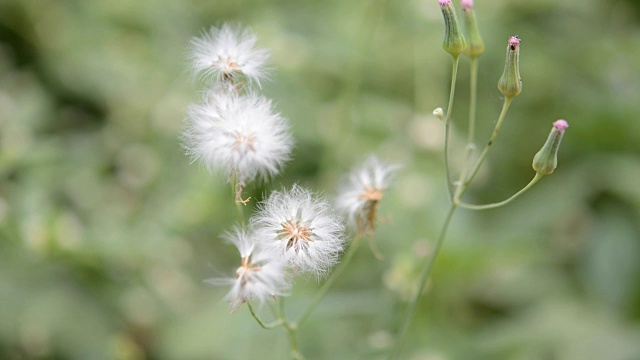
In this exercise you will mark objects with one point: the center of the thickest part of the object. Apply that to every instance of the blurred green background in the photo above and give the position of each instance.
(107, 231)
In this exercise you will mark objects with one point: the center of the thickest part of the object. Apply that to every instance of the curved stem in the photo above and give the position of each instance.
(424, 276)
(330, 281)
(502, 203)
(447, 124)
(483, 155)
(260, 322)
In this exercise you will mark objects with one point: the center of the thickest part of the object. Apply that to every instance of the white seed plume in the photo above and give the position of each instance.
(238, 134)
(259, 277)
(222, 53)
(301, 229)
(361, 191)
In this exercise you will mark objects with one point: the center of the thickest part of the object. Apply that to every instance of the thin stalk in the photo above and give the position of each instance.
(260, 322)
(424, 276)
(239, 204)
(447, 125)
(472, 122)
(346, 259)
(473, 99)
(501, 203)
(483, 155)
(290, 329)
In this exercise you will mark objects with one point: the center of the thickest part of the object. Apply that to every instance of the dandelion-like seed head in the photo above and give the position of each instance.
(240, 135)
(260, 275)
(301, 229)
(361, 191)
(224, 53)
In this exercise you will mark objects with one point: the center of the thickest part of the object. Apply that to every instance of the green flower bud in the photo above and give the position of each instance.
(510, 84)
(475, 46)
(546, 159)
(454, 42)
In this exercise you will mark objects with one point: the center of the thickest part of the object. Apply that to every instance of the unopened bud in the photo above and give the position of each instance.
(454, 42)
(439, 113)
(510, 84)
(546, 160)
(475, 46)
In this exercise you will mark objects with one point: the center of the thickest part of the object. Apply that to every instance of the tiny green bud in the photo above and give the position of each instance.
(510, 84)
(454, 42)
(475, 46)
(439, 113)
(546, 159)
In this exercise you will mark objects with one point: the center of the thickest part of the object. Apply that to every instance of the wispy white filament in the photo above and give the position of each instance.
(301, 229)
(361, 188)
(227, 51)
(260, 275)
(240, 135)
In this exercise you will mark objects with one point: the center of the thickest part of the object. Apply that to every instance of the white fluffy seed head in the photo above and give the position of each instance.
(226, 52)
(361, 191)
(301, 229)
(260, 275)
(240, 135)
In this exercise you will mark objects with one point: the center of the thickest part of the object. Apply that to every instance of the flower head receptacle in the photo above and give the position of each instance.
(546, 160)
(475, 45)
(510, 83)
(454, 42)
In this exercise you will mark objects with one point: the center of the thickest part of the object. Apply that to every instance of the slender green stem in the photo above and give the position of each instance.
(424, 276)
(483, 155)
(447, 125)
(501, 203)
(472, 123)
(293, 340)
(346, 259)
(290, 329)
(473, 99)
(260, 322)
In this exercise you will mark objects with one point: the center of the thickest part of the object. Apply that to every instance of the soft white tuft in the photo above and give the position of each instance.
(361, 187)
(238, 134)
(260, 277)
(301, 229)
(224, 52)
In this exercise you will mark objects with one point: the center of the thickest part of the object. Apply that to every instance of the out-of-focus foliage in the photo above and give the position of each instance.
(107, 231)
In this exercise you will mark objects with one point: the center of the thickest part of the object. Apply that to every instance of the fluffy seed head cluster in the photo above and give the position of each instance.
(260, 275)
(225, 52)
(238, 134)
(361, 192)
(301, 229)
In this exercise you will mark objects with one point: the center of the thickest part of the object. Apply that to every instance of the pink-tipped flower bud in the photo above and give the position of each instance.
(454, 42)
(475, 45)
(546, 160)
(510, 83)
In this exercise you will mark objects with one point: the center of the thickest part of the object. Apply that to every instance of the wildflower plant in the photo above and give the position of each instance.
(294, 232)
